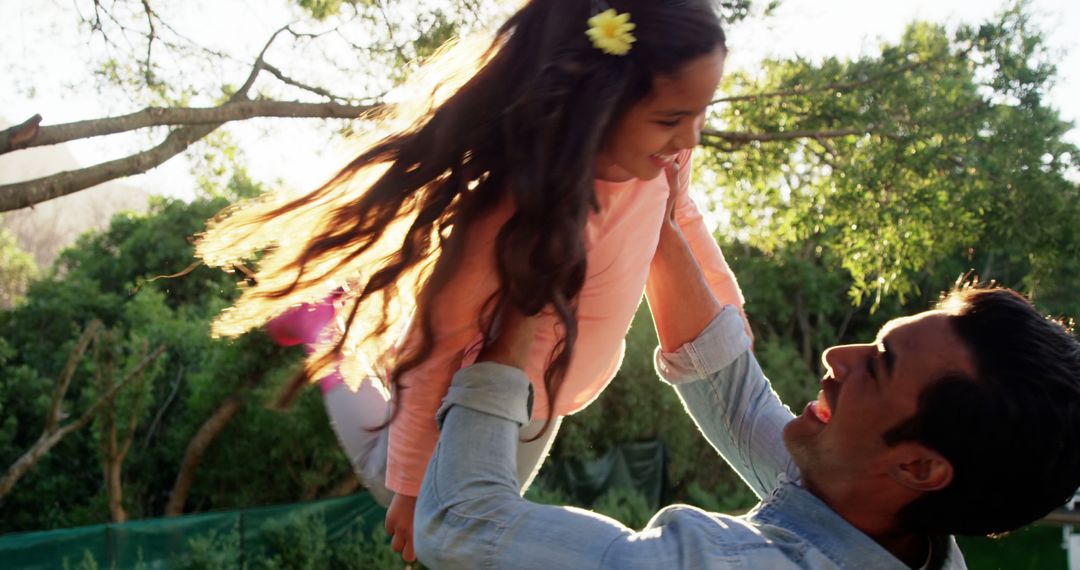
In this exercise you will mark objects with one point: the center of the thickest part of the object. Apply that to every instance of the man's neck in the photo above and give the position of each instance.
(911, 549)
(876, 519)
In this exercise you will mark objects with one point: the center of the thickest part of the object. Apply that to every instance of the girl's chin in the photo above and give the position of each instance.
(661, 163)
(615, 173)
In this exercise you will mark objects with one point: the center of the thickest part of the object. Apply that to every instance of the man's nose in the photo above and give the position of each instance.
(834, 361)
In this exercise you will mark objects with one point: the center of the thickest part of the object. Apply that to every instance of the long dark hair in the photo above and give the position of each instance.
(526, 126)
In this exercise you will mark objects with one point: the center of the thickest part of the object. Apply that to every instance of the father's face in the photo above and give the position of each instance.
(837, 442)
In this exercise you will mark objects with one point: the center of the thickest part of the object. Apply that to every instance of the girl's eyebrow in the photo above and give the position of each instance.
(679, 112)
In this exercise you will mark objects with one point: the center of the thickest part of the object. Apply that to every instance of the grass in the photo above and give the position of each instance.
(1036, 547)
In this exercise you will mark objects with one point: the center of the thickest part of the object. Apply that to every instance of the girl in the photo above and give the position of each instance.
(537, 183)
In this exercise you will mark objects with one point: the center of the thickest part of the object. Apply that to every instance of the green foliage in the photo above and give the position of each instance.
(121, 276)
(790, 376)
(636, 406)
(627, 506)
(957, 154)
(540, 494)
(1035, 547)
(320, 9)
(17, 269)
(212, 551)
(295, 543)
(731, 496)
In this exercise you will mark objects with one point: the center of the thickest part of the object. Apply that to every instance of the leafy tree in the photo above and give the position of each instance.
(364, 48)
(116, 277)
(17, 268)
(955, 154)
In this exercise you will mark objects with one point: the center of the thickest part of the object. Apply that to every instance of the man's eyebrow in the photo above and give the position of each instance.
(888, 356)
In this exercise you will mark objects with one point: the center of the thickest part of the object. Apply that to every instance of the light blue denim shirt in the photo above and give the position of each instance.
(469, 513)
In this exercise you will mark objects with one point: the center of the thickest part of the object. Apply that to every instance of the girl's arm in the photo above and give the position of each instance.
(455, 321)
(718, 275)
(703, 352)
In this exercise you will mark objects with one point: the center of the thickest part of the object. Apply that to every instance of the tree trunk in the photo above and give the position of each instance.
(115, 488)
(198, 445)
(52, 434)
(345, 487)
(29, 459)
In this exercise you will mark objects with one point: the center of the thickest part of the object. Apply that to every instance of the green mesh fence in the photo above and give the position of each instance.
(167, 542)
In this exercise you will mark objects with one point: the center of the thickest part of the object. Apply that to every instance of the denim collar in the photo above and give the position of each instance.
(793, 508)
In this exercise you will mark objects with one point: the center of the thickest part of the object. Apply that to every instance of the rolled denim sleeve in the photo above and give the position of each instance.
(469, 513)
(725, 391)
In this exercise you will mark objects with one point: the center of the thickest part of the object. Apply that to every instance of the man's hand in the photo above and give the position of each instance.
(399, 525)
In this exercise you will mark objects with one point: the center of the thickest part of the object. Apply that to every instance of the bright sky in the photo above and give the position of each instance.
(299, 155)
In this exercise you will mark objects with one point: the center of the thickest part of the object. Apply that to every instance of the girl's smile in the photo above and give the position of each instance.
(645, 139)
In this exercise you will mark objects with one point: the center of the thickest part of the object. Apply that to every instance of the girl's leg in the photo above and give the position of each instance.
(531, 454)
(353, 415)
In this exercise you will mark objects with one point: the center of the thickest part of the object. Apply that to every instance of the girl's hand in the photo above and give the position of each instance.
(670, 228)
(674, 190)
(399, 525)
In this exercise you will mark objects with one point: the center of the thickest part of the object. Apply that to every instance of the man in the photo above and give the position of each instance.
(960, 420)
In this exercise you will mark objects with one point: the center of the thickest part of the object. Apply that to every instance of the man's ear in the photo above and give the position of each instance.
(920, 468)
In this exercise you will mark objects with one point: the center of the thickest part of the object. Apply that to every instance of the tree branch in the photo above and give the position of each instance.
(344, 487)
(18, 135)
(197, 124)
(198, 445)
(24, 194)
(11, 140)
(150, 37)
(738, 139)
(50, 437)
(799, 90)
(64, 381)
(161, 412)
(290, 81)
(202, 121)
(89, 413)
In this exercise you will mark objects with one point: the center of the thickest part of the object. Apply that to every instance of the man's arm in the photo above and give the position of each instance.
(470, 515)
(705, 353)
(680, 299)
(724, 390)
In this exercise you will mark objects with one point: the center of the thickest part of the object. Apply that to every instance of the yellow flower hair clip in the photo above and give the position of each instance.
(610, 32)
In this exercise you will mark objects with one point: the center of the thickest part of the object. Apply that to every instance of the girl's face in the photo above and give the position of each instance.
(647, 137)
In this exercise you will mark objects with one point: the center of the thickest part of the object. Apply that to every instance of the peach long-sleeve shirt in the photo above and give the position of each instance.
(620, 241)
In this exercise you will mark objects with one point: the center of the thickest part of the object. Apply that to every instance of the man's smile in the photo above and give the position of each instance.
(824, 406)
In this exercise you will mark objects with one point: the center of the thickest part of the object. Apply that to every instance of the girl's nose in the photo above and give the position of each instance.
(690, 135)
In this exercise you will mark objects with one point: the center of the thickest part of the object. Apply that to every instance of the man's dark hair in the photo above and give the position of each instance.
(1012, 433)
